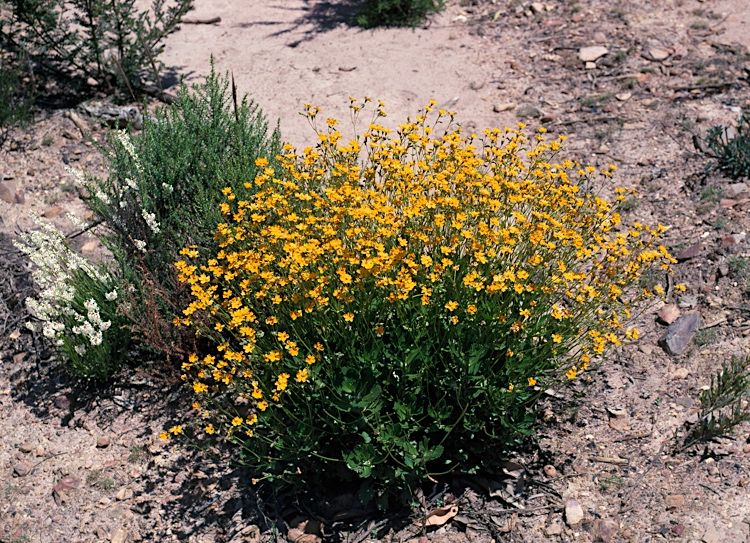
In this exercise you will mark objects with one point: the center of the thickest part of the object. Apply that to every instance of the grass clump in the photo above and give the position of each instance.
(392, 306)
(164, 186)
(730, 148)
(725, 404)
(15, 106)
(396, 12)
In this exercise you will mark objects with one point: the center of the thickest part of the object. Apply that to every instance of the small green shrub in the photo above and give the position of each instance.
(731, 151)
(392, 306)
(164, 186)
(725, 404)
(15, 105)
(115, 42)
(396, 12)
(76, 304)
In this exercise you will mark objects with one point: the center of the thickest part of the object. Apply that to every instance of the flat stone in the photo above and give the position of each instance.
(554, 529)
(121, 535)
(124, 493)
(656, 54)
(680, 373)
(675, 501)
(604, 530)
(669, 313)
(680, 333)
(537, 7)
(527, 110)
(503, 106)
(8, 192)
(591, 53)
(573, 512)
(733, 190)
(52, 212)
(26, 447)
(691, 252)
(550, 471)
(623, 96)
(102, 442)
(21, 469)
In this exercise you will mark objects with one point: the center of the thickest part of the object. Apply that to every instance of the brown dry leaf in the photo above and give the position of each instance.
(441, 515)
(307, 531)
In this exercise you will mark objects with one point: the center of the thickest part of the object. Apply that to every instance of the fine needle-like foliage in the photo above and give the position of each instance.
(724, 404)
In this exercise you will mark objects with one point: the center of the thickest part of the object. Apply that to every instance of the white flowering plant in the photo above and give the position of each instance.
(76, 307)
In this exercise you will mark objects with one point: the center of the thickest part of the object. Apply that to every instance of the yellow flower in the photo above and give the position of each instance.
(174, 430)
(310, 359)
(348, 317)
(557, 338)
(571, 373)
(209, 429)
(531, 381)
(164, 436)
(471, 309)
(199, 387)
(632, 334)
(680, 287)
(236, 421)
(262, 405)
(451, 305)
(302, 375)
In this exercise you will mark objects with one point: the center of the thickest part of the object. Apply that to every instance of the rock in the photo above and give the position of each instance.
(102, 442)
(711, 535)
(114, 116)
(248, 534)
(680, 333)
(554, 529)
(550, 471)
(680, 373)
(62, 402)
(120, 535)
(686, 301)
(537, 8)
(678, 530)
(645, 348)
(52, 212)
(691, 252)
(604, 530)
(123, 494)
(675, 501)
(723, 270)
(26, 447)
(669, 313)
(734, 190)
(590, 65)
(623, 96)
(591, 53)
(21, 469)
(9, 193)
(527, 110)
(621, 424)
(503, 106)
(573, 512)
(63, 488)
(656, 54)
(727, 203)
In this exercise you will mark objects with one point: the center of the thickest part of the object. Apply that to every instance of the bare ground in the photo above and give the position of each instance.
(83, 465)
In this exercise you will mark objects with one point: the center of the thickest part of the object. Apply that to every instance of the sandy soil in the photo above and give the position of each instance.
(84, 466)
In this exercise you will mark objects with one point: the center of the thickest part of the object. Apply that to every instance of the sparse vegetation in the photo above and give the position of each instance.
(725, 404)
(396, 12)
(730, 148)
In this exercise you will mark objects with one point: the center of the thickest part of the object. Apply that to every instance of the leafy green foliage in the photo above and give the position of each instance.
(165, 183)
(731, 150)
(396, 12)
(725, 404)
(115, 42)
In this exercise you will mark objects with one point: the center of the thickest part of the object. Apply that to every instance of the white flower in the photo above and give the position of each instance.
(168, 188)
(151, 222)
(140, 245)
(111, 296)
(80, 349)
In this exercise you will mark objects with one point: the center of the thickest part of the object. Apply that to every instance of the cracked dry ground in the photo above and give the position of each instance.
(79, 465)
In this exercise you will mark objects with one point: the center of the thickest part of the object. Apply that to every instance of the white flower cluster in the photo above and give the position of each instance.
(54, 266)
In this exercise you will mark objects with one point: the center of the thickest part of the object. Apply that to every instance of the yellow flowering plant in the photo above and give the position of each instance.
(396, 303)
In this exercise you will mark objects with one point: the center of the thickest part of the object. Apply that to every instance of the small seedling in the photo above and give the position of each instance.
(730, 148)
(725, 404)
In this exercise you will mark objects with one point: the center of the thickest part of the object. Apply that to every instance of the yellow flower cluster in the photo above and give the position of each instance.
(486, 230)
